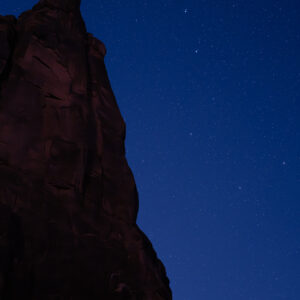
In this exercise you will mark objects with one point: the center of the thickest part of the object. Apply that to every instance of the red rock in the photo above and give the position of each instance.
(68, 199)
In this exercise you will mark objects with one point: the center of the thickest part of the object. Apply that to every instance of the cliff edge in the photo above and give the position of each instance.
(68, 199)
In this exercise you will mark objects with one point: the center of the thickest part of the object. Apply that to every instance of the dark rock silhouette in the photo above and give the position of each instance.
(68, 200)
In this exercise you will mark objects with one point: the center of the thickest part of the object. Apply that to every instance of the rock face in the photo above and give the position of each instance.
(68, 200)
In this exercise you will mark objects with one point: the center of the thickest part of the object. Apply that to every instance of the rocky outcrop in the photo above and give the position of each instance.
(68, 199)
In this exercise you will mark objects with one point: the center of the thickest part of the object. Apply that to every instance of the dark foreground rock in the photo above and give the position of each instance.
(68, 200)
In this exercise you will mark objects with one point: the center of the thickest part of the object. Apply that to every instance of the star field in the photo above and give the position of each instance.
(210, 94)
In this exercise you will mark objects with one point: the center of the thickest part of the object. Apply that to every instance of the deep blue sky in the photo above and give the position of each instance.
(210, 94)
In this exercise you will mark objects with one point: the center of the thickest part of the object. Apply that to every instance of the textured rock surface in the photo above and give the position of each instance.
(68, 200)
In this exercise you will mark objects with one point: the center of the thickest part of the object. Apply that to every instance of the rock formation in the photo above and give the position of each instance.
(68, 199)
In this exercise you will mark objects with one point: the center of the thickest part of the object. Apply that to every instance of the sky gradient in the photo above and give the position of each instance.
(210, 94)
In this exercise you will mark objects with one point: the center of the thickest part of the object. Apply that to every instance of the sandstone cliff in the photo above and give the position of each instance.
(68, 199)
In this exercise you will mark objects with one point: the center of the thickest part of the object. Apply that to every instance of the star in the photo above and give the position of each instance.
(185, 10)
(196, 51)
(283, 163)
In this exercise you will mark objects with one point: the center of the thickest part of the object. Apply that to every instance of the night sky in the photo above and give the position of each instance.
(210, 94)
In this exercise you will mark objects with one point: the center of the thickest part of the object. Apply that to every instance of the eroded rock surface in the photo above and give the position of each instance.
(68, 199)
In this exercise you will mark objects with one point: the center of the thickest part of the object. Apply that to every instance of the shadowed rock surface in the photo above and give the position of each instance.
(68, 199)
